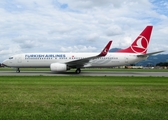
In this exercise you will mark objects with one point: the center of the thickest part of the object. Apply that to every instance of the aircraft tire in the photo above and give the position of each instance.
(78, 71)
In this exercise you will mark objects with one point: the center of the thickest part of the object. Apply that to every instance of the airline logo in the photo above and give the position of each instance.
(140, 45)
(44, 55)
(105, 51)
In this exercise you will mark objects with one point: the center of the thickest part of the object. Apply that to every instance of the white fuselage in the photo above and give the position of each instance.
(44, 60)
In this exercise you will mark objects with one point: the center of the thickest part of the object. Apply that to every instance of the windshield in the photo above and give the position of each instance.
(10, 58)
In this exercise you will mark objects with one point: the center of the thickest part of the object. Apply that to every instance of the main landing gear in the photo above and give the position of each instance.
(17, 70)
(78, 70)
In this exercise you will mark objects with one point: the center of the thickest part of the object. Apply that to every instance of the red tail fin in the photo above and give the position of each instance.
(140, 44)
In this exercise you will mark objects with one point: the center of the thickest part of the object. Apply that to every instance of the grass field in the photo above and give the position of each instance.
(92, 98)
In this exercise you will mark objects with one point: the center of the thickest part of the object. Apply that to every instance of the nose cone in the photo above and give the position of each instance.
(4, 63)
(1, 65)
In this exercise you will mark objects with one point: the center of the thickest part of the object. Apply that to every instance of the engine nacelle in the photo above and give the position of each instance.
(58, 67)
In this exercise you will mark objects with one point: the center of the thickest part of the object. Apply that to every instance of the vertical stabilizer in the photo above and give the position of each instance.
(140, 44)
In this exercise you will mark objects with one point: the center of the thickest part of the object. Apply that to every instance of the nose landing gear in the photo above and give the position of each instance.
(18, 70)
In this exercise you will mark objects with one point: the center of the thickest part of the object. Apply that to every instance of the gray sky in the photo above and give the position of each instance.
(79, 25)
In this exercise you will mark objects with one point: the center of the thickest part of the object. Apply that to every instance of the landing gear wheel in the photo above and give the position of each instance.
(78, 71)
(18, 70)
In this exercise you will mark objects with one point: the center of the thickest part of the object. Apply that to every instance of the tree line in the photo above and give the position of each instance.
(162, 64)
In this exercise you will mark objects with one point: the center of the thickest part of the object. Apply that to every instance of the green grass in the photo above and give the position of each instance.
(75, 97)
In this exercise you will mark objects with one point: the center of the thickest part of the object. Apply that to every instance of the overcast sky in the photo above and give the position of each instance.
(79, 25)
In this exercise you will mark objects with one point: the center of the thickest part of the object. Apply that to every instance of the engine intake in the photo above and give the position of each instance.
(58, 67)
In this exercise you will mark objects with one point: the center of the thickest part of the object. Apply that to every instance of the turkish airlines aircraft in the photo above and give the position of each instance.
(59, 62)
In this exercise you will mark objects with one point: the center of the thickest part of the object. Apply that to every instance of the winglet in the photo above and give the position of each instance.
(105, 50)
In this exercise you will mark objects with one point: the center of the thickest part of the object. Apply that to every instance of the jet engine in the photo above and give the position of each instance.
(58, 67)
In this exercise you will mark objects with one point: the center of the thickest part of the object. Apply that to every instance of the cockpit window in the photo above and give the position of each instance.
(10, 58)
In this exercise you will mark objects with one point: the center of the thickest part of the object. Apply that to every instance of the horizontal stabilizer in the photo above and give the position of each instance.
(148, 54)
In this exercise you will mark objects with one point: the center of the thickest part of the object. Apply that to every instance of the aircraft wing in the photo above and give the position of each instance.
(148, 54)
(82, 62)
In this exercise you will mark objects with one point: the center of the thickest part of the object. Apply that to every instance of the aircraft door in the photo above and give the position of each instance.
(19, 59)
(126, 60)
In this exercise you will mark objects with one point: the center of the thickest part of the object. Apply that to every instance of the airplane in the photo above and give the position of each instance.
(61, 62)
